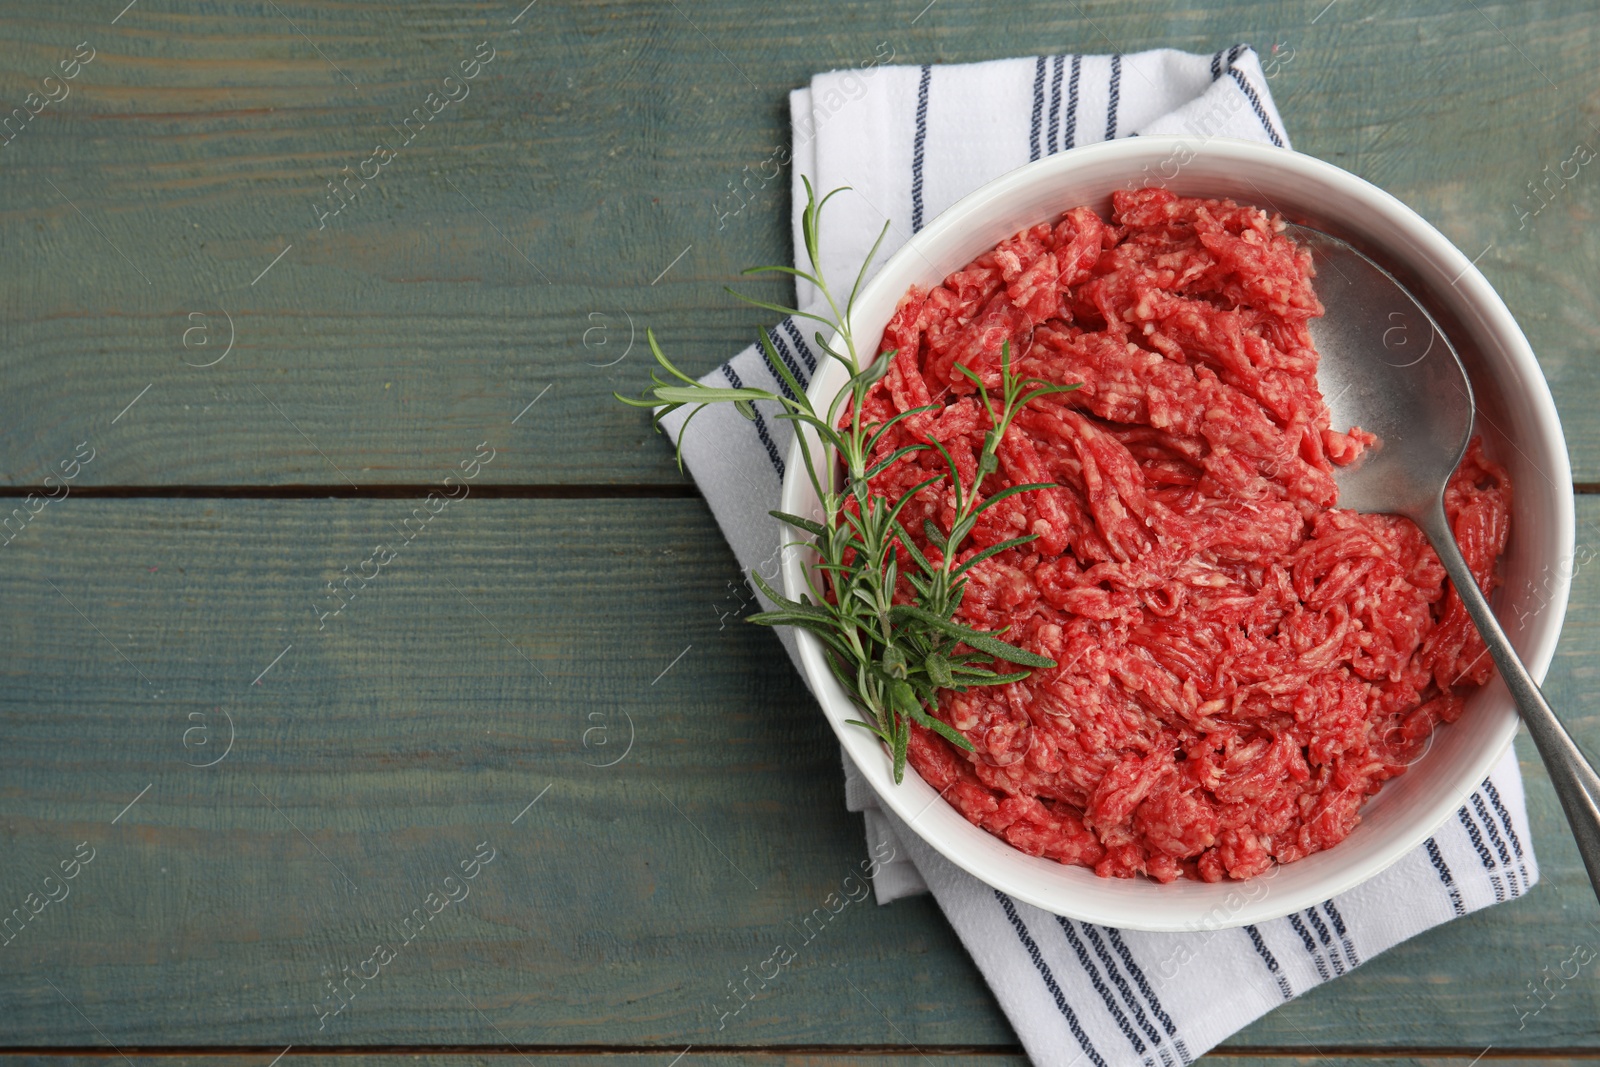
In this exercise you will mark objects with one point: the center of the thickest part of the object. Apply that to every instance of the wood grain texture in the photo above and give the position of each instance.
(371, 757)
(516, 244)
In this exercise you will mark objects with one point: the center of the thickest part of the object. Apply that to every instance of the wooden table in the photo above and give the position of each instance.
(552, 668)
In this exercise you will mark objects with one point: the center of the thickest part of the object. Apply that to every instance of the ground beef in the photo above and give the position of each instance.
(1240, 663)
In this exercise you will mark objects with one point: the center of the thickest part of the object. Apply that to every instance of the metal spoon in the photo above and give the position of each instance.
(1389, 369)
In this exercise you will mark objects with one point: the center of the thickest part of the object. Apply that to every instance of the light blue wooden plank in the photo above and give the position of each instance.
(425, 719)
(592, 153)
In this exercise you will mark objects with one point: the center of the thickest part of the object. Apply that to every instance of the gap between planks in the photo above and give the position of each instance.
(367, 492)
(1234, 1051)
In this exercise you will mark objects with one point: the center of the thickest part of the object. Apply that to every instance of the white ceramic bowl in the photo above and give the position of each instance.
(1517, 417)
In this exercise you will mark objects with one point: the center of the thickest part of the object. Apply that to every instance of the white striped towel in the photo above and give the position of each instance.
(911, 141)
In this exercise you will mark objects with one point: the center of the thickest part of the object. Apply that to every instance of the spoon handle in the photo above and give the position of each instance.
(1574, 778)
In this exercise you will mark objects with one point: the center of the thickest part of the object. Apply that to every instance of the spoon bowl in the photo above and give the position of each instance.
(1387, 368)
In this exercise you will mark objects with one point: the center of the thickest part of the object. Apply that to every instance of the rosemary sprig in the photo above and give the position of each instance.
(893, 658)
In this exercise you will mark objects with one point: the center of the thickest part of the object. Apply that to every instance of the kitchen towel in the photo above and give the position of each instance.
(910, 142)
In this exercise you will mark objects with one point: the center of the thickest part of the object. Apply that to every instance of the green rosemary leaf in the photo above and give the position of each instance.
(804, 524)
(950, 734)
(814, 230)
(790, 617)
(772, 594)
(875, 370)
(682, 430)
(646, 401)
(993, 550)
(797, 608)
(786, 312)
(706, 394)
(1047, 390)
(972, 676)
(869, 597)
(1010, 653)
(979, 640)
(983, 392)
(955, 473)
(861, 275)
(1011, 491)
(824, 345)
(894, 665)
(868, 726)
(905, 701)
(963, 529)
(902, 737)
(829, 435)
(906, 497)
(888, 461)
(883, 428)
(793, 272)
(661, 358)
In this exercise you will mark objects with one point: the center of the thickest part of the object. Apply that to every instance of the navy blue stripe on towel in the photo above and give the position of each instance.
(1070, 136)
(1032, 948)
(1038, 108)
(1271, 961)
(1255, 103)
(1476, 837)
(1437, 858)
(917, 151)
(1116, 93)
(1055, 100)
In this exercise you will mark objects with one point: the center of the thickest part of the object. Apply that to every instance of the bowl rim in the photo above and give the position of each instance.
(867, 752)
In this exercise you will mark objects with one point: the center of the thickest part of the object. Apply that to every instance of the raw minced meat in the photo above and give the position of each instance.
(1239, 662)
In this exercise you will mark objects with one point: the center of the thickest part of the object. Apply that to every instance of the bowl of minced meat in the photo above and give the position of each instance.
(1260, 699)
